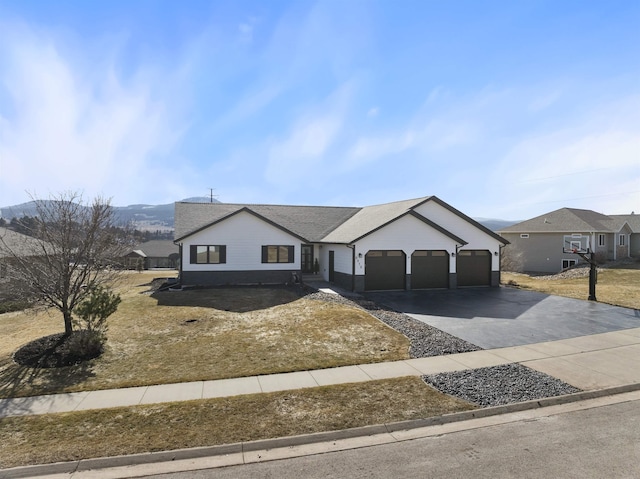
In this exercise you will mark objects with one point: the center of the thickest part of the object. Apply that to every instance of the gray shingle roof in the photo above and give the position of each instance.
(157, 248)
(327, 224)
(20, 244)
(632, 220)
(369, 219)
(571, 220)
(309, 222)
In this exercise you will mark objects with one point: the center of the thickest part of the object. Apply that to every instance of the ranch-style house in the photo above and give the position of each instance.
(412, 244)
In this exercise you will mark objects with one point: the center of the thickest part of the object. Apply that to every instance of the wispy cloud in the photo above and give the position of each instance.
(594, 163)
(66, 124)
(309, 139)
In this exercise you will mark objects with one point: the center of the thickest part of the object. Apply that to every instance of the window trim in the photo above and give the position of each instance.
(602, 241)
(290, 254)
(622, 240)
(222, 253)
(570, 262)
(524, 235)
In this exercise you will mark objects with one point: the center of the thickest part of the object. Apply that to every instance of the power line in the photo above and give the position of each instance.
(583, 198)
(531, 180)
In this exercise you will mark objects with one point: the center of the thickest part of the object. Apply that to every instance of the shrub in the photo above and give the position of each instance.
(96, 308)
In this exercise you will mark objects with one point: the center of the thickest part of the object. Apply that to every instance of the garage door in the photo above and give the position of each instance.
(474, 268)
(429, 269)
(384, 269)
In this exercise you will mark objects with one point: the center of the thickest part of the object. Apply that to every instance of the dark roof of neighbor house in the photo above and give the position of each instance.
(573, 220)
(156, 249)
(328, 224)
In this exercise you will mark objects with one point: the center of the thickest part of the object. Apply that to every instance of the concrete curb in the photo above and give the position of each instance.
(292, 441)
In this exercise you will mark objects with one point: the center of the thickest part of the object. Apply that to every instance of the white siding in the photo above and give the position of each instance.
(244, 235)
(475, 237)
(407, 234)
(341, 256)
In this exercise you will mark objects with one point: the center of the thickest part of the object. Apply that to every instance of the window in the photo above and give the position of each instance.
(208, 254)
(621, 240)
(277, 254)
(566, 263)
(524, 235)
(601, 240)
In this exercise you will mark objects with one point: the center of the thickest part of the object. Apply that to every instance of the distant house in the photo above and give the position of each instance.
(540, 242)
(12, 243)
(153, 254)
(411, 244)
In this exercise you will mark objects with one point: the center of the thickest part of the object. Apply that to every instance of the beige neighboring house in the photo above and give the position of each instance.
(153, 254)
(540, 242)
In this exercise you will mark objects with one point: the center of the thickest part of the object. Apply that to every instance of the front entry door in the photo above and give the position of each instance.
(307, 258)
(331, 266)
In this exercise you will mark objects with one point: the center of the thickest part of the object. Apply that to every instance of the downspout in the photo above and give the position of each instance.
(180, 263)
(353, 266)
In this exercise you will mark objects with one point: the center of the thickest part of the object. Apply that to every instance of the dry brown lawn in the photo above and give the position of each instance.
(202, 334)
(118, 431)
(616, 286)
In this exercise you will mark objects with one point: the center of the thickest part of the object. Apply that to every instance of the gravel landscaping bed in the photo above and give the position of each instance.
(425, 340)
(498, 385)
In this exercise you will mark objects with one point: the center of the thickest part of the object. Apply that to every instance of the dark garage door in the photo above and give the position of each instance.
(384, 269)
(474, 268)
(429, 269)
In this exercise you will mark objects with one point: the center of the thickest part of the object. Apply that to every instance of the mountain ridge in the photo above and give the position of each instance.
(146, 217)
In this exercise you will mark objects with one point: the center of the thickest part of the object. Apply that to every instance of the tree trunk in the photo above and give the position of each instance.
(68, 325)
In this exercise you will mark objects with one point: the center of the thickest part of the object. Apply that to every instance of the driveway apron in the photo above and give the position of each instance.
(503, 317)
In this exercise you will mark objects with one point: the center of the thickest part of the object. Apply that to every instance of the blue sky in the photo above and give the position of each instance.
(502, 109)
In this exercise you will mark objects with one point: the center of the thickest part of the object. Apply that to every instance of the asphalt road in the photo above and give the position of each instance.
(594, 443)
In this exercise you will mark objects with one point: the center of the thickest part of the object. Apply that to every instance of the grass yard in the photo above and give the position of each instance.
(117, 431)
(617, 286)
(202, 334)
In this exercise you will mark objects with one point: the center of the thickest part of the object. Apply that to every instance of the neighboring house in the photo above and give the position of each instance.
(540, 242)
(153, 254)
(411, 244)
(18, 244)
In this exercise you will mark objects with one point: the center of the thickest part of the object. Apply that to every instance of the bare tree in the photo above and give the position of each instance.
(71, 253)
(511, 259)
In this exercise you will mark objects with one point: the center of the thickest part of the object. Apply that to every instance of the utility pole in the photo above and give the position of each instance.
(211, 194)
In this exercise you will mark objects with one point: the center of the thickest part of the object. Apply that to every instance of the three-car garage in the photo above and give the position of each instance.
(430, 269)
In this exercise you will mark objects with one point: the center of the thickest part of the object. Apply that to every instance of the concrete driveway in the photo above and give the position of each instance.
(503, 317)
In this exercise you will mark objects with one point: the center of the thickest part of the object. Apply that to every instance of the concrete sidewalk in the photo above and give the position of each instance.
(590, 362)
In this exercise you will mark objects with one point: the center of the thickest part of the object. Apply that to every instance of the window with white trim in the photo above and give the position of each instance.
(621, 240)
(566, 263)
(524, 235)
(601, 240)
